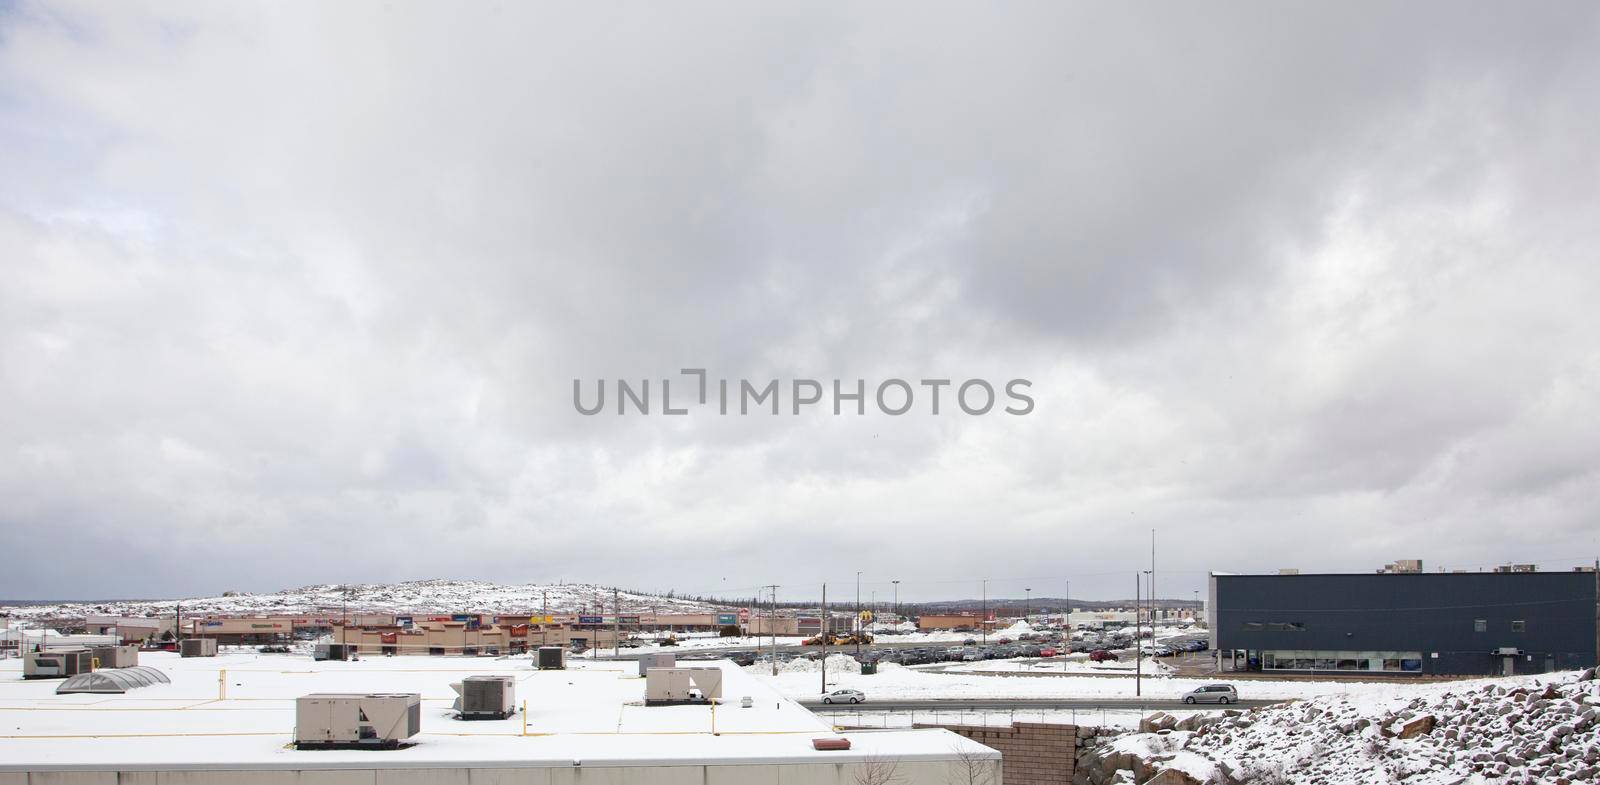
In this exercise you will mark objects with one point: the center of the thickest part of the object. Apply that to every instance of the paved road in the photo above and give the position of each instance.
(1030, 704)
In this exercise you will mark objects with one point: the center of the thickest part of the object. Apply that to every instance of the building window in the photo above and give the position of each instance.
(1272, 626)
(1284, 660)
(1480, 625)
(1519, 626)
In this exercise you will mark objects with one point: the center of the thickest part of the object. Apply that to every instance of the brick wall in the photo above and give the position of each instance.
(1032, 753)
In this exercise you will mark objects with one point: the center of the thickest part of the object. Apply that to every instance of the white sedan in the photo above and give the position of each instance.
(844, 696)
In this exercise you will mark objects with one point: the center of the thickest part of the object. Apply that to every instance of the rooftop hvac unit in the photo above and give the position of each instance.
(648, 661)
(56, 664)
(669, 686)
(552, 658)
(197, 647)
(116, 656)
(485, 698)
(332, 651)
(352, 721)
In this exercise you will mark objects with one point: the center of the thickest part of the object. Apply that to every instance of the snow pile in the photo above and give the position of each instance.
(432, 596)
(837, 663)
(1015, 630)
(1530, 729)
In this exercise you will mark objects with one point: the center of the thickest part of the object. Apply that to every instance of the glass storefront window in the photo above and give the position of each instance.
(1374, 661)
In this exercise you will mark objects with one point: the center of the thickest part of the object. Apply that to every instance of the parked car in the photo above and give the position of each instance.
(1213, 693)
(1048, 651)
(1102, 655)
(845, 696)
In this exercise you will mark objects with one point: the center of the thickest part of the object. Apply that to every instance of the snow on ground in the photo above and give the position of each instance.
(432, 596)
(837, 663)
(893, 682)
(708, 640)
(864, 716)
(1521, 729)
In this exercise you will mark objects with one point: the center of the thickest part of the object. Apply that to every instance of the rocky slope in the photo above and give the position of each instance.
(1520, 730)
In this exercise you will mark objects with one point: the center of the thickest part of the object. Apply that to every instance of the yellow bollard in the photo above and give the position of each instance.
(524, 718)
(222, 684)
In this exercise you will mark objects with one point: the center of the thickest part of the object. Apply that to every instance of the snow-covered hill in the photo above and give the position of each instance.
(411, 597)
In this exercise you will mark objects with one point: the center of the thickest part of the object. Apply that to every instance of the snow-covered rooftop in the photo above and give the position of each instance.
(592, 712)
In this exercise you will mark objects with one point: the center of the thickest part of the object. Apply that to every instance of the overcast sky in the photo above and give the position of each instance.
(296, 292)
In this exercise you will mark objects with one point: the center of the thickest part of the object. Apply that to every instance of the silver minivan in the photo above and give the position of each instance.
(1213, 693)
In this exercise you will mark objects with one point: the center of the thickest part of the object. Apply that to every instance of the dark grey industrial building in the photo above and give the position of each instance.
(1400, 624)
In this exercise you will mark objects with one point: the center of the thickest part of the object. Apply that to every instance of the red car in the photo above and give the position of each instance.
(1101, 655)
(1047, 652)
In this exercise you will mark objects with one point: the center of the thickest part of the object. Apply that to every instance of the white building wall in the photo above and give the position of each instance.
(755, 774)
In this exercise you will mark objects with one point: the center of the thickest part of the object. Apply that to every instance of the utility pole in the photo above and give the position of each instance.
(616, 623)
(1027, 603)
(1138, 640)
(983, 620)
(827, 629)
(896, 601)
(544, 620)
(858, 616)
(1066, 620)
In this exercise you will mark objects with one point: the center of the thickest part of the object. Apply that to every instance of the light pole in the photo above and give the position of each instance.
(1151, 601)
(827, 630)
(1138, 642)
(983, 621)
(772, 628)
(1027, 603)
(858, 615)
(896, 601)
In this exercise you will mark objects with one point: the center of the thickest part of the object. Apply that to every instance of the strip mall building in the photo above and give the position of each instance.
(459, 633)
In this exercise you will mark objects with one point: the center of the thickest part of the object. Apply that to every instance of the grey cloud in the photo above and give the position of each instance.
(281, 279)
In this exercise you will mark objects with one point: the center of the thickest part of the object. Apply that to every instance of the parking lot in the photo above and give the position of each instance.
(1045, 643)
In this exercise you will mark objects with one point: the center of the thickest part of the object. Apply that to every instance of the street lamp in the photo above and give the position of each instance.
(1027, 602)
(896, 601)
(858, 616)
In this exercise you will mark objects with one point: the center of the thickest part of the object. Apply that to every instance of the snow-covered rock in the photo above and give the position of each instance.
(1524, 729)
